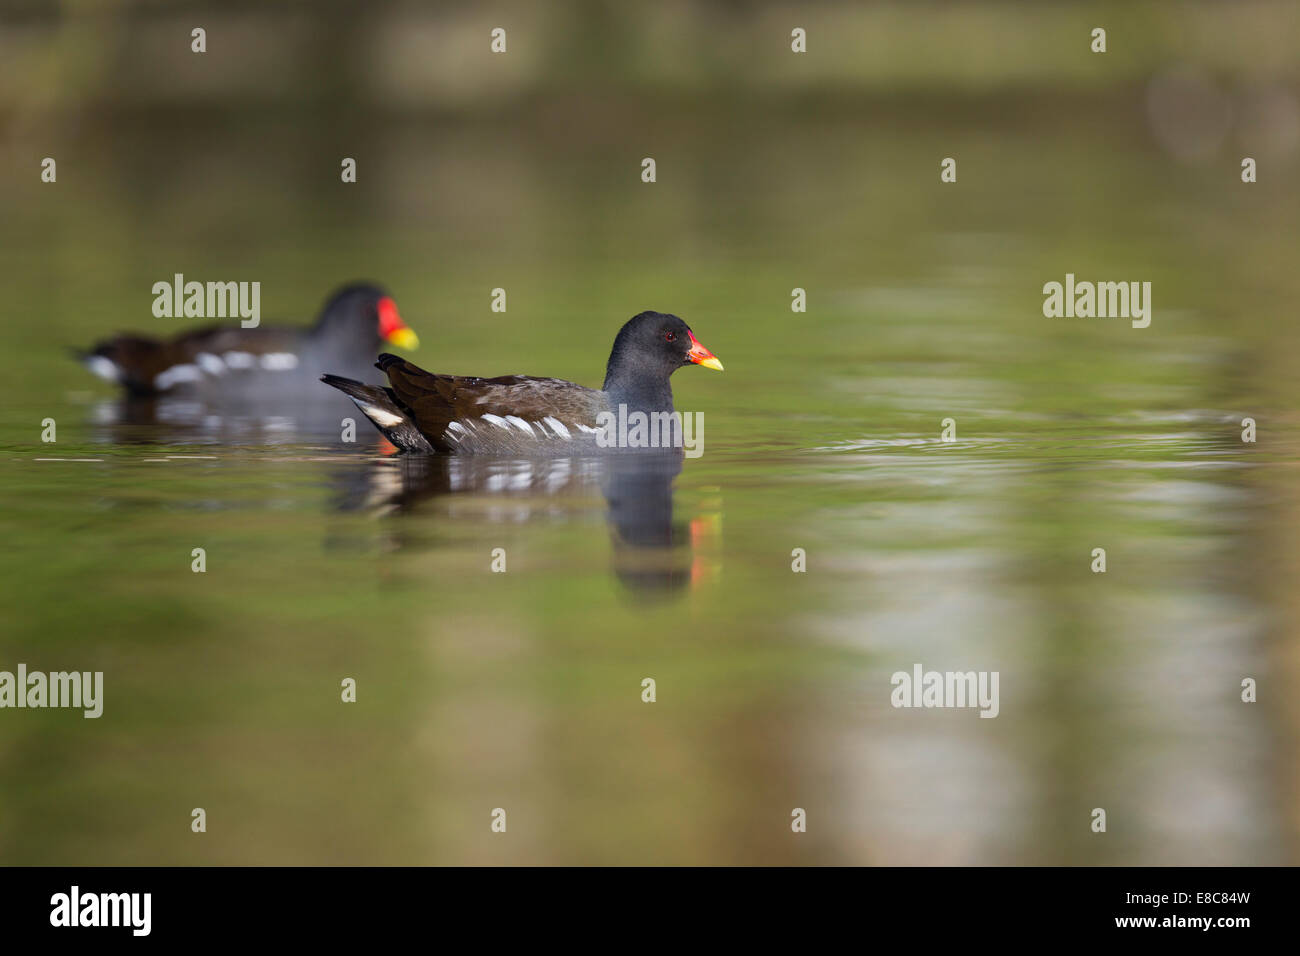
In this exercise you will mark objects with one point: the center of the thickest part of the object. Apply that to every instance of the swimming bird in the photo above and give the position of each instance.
(423, 411)
(216, 361)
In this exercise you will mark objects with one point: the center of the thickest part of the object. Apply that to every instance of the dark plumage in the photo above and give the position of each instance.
(228, 360)
(518, 414)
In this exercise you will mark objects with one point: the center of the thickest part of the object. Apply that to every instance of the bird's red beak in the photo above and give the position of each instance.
(393, 329)
(700, 355)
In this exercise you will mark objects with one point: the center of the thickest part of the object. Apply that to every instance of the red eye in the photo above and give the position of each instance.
(670, 336)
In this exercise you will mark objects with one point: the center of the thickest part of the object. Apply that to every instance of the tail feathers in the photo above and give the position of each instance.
(358, 391)
(101, 365)
(379, 405)
(131, 361)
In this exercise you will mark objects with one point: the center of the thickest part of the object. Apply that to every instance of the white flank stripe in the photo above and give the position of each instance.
(210, 363)
(522, 425)
(557, 427)
(105, 368)
(239, 359)
(177, 373)
(498, 421)
(279, 361)
(457, 427)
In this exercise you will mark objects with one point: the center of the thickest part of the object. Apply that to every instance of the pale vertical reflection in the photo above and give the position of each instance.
(1119, 691)
(480, 741)
(1281, 538)
(1138, 711)
(918, 786)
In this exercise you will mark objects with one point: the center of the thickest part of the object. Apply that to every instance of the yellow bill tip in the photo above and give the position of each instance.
(404, 339)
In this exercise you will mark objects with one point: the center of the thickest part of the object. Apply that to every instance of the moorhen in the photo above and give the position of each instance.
(221, 360)
(517, 414)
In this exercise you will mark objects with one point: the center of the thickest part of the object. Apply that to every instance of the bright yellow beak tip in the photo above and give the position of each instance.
(405, 339)
(712, 363)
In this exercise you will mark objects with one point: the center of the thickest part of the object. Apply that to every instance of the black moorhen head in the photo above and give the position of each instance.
(232, 362)
(647, 350)
(357, 318)
(519, 414)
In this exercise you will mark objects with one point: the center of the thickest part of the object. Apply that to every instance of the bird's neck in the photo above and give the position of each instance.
(639, 392)
(341, 340)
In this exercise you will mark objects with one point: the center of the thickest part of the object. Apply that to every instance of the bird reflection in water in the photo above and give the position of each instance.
(148, 420)
(653, 553)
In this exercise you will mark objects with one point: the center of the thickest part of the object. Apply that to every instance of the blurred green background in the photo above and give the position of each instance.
(775, 170)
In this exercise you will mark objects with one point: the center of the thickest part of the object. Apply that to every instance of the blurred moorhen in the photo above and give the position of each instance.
(518, 414)
(232, 361)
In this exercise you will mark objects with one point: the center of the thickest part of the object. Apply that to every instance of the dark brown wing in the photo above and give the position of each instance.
(220, 339)
(146, 365)
(530, 405)
(134, 361)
